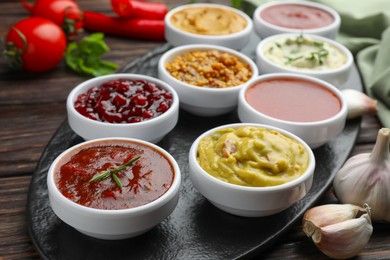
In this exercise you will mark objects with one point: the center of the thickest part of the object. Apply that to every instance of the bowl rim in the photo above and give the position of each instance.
(246, 31)
(342, 113)
(84, 86)
(162, 200)
(268, 189)
(334, 25)
(346, 66)
(174, 52)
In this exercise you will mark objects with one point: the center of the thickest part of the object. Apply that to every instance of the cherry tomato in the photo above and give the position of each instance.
(36, 44)
(65, 13)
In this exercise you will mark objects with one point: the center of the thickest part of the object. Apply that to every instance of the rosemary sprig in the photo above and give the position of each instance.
(112, 173)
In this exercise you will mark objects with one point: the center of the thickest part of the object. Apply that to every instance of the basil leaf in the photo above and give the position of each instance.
(85, 57)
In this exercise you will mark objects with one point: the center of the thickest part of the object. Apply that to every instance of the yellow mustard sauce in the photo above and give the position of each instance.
(208, 21)
(251, 156)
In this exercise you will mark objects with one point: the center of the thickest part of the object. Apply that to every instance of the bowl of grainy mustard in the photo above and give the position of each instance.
(206, 77)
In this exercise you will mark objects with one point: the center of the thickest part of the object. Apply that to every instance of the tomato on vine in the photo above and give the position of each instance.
(65, 13)
(35, 44)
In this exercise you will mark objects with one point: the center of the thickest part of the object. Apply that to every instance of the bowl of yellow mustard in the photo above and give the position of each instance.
(208, 24)
(251, 170)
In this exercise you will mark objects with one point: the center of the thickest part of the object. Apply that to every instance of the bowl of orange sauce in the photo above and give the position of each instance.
(311, 108)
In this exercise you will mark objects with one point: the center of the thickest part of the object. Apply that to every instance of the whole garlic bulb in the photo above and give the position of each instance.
(365, 178)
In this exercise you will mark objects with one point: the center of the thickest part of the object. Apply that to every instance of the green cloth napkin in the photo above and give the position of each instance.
(365, 31)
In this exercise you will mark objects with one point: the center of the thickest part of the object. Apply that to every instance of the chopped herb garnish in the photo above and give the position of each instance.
(278, 45)
(318, 56)
(318, 43)
(300, 40)
(291, 59)
(112, 173)
(289, 41)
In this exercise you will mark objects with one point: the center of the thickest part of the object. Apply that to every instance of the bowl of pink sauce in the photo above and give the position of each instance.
(308, 107)
(296, 17)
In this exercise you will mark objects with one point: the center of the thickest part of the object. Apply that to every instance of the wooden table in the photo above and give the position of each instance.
(32, 106)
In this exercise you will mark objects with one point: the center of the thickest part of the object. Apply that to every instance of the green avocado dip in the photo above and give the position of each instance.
(304, 53)
(252, 156)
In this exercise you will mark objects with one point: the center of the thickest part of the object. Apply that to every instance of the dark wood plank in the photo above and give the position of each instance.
(15, 243)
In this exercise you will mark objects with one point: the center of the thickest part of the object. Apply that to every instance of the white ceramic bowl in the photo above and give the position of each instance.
(152, 130)
(265, 29)
(314, 133)
(177, 36)
(113, 224)
(335, 76)
(203, 101)
(244, 200)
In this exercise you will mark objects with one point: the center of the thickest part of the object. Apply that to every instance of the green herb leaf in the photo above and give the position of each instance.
(318, 43)
(117, 181)
(300, 39)
(291, 59)
(112, 173)
(103, 175)
(318, 56)
(85, 57)
(236, 3)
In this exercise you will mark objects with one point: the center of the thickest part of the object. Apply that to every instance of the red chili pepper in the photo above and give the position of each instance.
(137, 28)
(139, 9)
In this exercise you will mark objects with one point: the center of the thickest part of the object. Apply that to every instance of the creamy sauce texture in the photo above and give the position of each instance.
(208, 21)
(293, 100)
(251, 156)
(304, 54)
(296, 16)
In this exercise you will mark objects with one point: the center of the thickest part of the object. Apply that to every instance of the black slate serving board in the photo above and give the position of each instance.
(196, 229)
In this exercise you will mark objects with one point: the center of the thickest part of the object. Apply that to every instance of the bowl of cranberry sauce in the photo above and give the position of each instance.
(296, 17)
(123, 105)
(308, 107)
(113, 188)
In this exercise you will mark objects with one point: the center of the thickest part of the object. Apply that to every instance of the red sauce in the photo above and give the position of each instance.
(293, 100)
(124, 101)
(144, 181)
(296, 16)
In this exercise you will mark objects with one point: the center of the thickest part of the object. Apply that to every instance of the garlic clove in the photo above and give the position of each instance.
(339, 230)
(345, 239)
(329, 214)
(332, 213)
(359, 104)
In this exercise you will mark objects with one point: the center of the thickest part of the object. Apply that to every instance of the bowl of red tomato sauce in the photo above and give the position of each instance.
(113, 188)
(123, 105)
(296, 17)
(310, 108)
